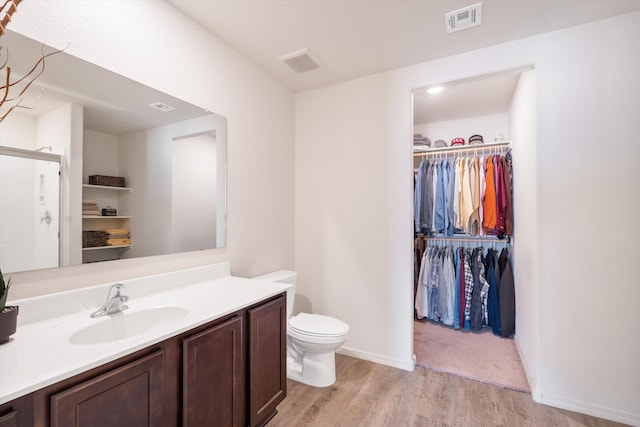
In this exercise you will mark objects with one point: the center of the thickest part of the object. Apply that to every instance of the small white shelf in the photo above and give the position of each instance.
(97, 248)
(105, 217)
(106, 187)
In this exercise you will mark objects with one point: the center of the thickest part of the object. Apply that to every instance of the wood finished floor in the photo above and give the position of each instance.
(369, 394)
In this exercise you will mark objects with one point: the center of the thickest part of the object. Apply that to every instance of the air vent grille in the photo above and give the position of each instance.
(300, 61)
(464, 18)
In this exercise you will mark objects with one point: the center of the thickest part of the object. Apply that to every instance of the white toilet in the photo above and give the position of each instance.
(312, 339)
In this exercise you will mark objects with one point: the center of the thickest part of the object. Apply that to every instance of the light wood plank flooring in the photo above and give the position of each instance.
(369, 394)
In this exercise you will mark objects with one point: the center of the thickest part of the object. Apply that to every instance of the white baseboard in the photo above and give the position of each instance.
(574, 405)
(535, 392)
(408, 365)
(590, 409)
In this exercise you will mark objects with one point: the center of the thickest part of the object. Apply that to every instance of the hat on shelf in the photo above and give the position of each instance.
(457, 141)
(441, 143)
(499, 138)
(476, 139)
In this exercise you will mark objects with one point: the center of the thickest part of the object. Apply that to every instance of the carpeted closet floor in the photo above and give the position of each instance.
(480, 356)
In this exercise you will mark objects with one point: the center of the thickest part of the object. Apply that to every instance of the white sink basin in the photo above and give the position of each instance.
(84, 330)
(125, 324)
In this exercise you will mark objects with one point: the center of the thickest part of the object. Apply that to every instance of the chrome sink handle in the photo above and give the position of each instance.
(115, 302)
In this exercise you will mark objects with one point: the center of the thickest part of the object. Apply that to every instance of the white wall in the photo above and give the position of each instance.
(154, 44)
(354, 204)
(194, 192)
(100, 155)
(489, 126)
(19, 131)
(522, 117)
(62, 130)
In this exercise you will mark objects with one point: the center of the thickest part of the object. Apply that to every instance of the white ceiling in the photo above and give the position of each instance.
(480, 96)
(112, 103)
(351, 38)
(354, 38)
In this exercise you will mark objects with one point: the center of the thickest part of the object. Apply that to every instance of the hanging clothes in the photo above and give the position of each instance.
(493, 273)
(507, 296)
(459, 286)
(469, 195)
(507, 175)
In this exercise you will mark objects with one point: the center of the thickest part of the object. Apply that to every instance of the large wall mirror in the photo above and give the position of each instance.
(104, 168)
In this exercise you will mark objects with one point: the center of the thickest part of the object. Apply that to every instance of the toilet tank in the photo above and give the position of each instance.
(283, 276)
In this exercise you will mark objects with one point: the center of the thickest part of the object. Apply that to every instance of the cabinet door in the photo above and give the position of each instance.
(267, 360)
(131, 395)
(213, 377)
(9, 419)
(17, 413)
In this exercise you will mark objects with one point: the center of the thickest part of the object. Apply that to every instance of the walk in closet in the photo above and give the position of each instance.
(465, 228)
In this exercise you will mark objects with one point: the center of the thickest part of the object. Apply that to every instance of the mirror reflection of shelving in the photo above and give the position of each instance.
(105, 197)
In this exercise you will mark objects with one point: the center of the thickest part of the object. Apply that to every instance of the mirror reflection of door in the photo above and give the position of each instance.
(193, 192)
(29, 219)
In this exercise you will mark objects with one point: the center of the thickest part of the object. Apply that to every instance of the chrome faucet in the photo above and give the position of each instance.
(115, 302)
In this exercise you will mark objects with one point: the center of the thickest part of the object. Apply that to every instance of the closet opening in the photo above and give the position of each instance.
(470, 140)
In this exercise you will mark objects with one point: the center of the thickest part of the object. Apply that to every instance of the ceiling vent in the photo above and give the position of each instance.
(464, 18)
(300, 61)
(162, 107)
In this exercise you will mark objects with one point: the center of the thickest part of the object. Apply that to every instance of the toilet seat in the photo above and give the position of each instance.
(317, 325)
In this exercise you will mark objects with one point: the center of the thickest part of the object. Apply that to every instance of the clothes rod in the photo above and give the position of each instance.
(468, 148)
(465, 239)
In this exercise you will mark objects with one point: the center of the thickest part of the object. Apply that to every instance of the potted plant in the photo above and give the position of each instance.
(8, 314)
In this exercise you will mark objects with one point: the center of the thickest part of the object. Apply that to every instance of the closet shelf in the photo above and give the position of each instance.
(463, 149)
(106, 187)
(97, 248)
(105, 217)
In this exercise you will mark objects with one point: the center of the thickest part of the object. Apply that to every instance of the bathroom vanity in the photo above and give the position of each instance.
(209, 352)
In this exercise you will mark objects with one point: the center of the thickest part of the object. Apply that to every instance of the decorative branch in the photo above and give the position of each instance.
(35, 72)
(11, 7)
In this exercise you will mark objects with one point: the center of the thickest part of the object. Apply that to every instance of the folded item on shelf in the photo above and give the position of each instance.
(117, 230)
(90, 212)
(118, 242)
(421, 140)
(118, 236)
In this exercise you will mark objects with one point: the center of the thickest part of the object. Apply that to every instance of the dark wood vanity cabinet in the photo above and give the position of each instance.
(213, 376)
(228, 372)
(130, 395)
(17, 413)
(9, 419)
(267, 360)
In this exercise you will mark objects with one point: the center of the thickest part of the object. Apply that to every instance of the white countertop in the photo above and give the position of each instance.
(40, 354)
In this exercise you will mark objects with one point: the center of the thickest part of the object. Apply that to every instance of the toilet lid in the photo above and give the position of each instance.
(317, 324)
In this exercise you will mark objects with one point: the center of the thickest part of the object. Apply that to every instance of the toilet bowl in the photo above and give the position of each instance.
(312, 339)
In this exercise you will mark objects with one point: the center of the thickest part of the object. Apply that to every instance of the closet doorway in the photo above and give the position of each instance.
(470, 131)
